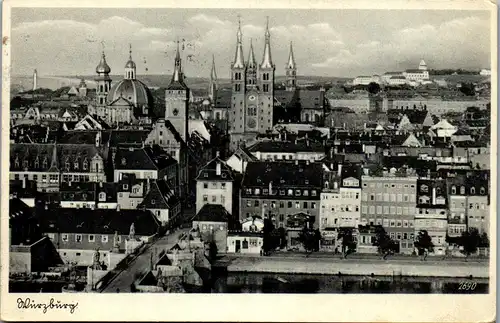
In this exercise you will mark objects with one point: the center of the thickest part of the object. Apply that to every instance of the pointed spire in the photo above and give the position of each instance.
(251, 57)
(130, 51)
(177, 77)
(213, 73)
(291, 58)
(267, 61)
(238, 56)
(53, 162)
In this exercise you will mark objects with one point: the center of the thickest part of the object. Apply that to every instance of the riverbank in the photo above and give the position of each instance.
(334, 266)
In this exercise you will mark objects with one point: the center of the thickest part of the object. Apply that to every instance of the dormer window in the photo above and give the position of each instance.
(290, 192)
(306, 193)
(124, 162)
(282, 181)
(257, 191)
(153, 202)
(326, 184)
(265, 191)
(313, 193)
(85, 165)
(297, 193)
(453, 190)
(16, 162)
(462, 190)
(223, 175)
(75, 165)
(307, 182)
(125, 187)
(25, 164)
(282, 192)
(37, 163)
(424, 188)
(102, 196)
(472, 190)
(205, 174)
(44, 162)
(482, 191)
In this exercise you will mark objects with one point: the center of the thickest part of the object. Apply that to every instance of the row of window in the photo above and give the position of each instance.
(289, 192)
(389, 223)
(387, 185)
(341, 208)
(222, 175)
(388, 210)
(386, 197)
(213, 199)
(79, 237)
(289, 204)
(215, 185)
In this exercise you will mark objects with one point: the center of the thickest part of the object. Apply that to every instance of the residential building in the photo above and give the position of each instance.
(304, 149)
(432, 211)
(215, 185)
(162, 201)
(281, 189)
(249, 239)
(389, 200)
(213, 223)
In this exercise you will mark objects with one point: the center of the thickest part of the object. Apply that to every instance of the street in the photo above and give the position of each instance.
(122, 282)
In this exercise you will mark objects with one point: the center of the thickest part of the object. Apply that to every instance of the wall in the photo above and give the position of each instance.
(358, 105)
(254, 244)
(217, 192)
(213, 232)
(478, 215)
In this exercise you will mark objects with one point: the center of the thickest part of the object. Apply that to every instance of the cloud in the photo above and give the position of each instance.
(459, 42)
(320, 47)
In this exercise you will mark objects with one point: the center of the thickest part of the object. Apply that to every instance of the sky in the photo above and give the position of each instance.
(335, 43)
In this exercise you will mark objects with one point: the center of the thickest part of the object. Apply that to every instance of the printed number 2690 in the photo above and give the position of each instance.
(467, 286)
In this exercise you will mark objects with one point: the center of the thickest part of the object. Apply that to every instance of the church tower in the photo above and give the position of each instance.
(177, 99)
(266, 80)
(291, 72)
(130, 67)
(103, 81)
(212, 88)
(238, 71)
(251, 75)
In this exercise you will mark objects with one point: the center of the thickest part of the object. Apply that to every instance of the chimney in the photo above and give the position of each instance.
(121, 176)
(433, 195)
(296, 161)
(217, 154)
(24, 182)
(148, 185)
(339, 169)
(217, 169)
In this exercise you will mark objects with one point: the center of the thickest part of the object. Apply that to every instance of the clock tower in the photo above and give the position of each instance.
(177, 100)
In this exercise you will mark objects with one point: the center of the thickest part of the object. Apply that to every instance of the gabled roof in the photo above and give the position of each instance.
(147, 158)
(99, 221)
(159, 196)
(287, 146)
(209, 171)
(212, 213)
(282, 173)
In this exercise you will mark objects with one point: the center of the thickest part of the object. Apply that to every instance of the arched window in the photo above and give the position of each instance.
(462, 190)
(326, 184)
(482, 191)
(473, 190)
(424, 188)
(453, 190)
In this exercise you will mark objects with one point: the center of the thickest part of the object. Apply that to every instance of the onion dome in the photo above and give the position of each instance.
(103, 67)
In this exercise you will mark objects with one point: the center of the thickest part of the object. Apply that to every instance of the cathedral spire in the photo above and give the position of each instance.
(178, 76)
(291, 59)
(238, 56)
(213, 73)
(251, 57)
(267, 61)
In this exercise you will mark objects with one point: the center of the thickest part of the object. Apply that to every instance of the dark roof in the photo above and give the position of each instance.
(52, 157)
(147, 158)
(223, 99)
(212, 213)
(282, 173)
(121, 137)
(23, 188)
(159, 196)
(78, 191)
(209, 171)
(100, 221)
(287, 146)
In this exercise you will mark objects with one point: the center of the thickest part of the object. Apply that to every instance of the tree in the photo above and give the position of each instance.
(348, 243)
(484, 241)
(310, 239)
(424, 243)
(373, 88)
(267, 244)
(385, 245)
(212, 251)
(470, 241)
(282, 235)
(468, 89)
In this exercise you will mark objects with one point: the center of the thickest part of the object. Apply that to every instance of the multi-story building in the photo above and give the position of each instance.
(281, 189)
(432, 211)
(457, 218)
(478, 201)
(214, 185)
(288, 150)
(390, 201)
(213, 222)
(50, 164)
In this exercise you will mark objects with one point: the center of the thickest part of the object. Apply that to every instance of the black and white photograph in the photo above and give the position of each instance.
(247, 150)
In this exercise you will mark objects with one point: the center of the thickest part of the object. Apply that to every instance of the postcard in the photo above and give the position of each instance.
(249, 161)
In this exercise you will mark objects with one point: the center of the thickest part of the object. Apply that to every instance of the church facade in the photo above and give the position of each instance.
(252, 91)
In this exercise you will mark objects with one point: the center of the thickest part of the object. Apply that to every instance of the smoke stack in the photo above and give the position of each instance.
(433, 195)
(339, 169)
(218, 169)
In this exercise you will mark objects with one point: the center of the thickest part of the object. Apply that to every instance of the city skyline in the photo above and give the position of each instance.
(340, 45)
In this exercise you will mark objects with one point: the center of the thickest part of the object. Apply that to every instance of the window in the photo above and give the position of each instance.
(265, 191)
(393, 223)
(214, 198)
(372, 197)
(424, 188)
(453, 190)
(249, 203)
(290, 192)
(305, 193)
(282, 204)
(205, 185)
(91, 238)
(297, 192)
(289, 204)
(256, 203)
(65, 237)
(297, 205)
(472, 190)
(282, 192)
(305, 205)
(462, 190)
(222, 199)
(313, 205)
(257, 191)
(313, 193)
(205, 198)
(78, 238)
(223, 185)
